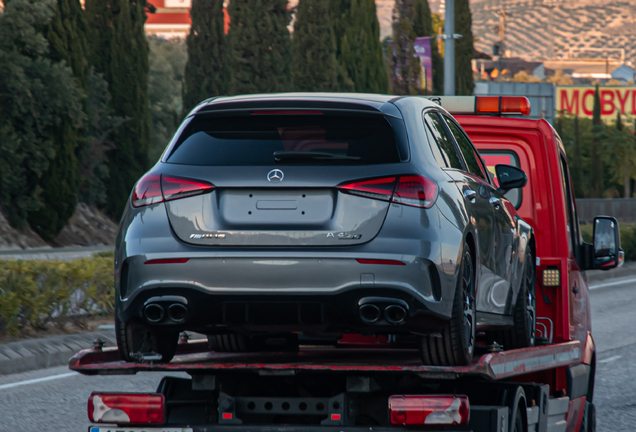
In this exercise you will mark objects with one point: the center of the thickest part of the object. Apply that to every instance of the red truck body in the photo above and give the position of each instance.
(548, 205)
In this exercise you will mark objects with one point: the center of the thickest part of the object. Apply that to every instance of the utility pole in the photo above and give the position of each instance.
(449, 49)
(550, 46)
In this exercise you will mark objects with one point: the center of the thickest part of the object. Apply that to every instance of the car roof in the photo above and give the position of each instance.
(371, 100)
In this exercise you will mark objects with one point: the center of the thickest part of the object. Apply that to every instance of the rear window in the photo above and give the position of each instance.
(296, 139)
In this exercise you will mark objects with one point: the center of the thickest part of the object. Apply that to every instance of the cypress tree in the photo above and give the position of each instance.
(595, 151)
(360, 53)
(464, 49)
(423, 26)
(207, 70)
(404, 72)
(315, 67)
(261, 48)
(60, 182)
(117, 30)
(340, 11)
(577, 162)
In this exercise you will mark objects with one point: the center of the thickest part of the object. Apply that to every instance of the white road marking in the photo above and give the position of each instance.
(610, 359)
(37, 380)
(618, 282)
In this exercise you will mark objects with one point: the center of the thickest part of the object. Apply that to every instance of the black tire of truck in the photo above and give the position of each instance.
(133, 338)
(238, 343)
(456, 345)
(522, 335)
(229, 343)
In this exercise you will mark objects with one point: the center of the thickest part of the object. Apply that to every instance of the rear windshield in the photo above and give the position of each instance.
(296, 139)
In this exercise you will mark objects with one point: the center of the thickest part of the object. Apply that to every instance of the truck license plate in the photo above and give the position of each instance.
(127, 429)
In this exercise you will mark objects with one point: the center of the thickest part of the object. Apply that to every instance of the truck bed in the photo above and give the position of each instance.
(195, 357)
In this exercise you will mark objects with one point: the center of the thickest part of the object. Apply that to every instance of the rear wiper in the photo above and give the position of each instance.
(297, 155)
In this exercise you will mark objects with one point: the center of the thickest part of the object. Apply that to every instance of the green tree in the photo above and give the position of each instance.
(423, 26)
(60, 182)
(261, 48)
(207, 71)
(119, 51)
(596, 150)
(360, 51)
(464, 49)
(404, 72)
(167, 64)
(315, 67)
(36, 94)
(621, 155)
(576, 167)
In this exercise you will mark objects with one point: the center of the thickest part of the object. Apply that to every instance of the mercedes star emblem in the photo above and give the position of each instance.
(275, 176)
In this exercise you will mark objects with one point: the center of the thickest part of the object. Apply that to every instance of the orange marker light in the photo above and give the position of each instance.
(515, 104)
(487, 104)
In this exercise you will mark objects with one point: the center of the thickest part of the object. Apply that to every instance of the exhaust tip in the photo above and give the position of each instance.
(154, 313)
(395, 314)
(369, 313)
(177, 312)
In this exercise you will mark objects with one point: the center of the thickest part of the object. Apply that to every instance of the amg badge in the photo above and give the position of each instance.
(207, 236)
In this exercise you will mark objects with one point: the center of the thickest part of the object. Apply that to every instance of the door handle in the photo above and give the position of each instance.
(496, 202)
(470, 195)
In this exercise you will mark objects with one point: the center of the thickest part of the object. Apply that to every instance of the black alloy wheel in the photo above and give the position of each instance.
(456, 345)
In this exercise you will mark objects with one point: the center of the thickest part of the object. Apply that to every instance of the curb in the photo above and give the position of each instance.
(627, 269)
(33, 354)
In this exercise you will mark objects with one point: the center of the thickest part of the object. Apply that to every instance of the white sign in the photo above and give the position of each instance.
(177, 3)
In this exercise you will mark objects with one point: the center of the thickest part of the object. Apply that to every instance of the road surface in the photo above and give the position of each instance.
(55, 399)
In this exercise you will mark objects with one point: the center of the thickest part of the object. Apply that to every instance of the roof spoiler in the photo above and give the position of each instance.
(487, 105)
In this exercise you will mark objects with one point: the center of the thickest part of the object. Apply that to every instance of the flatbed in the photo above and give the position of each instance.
(195, 357)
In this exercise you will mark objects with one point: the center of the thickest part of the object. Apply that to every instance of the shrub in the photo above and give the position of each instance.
(37, 294)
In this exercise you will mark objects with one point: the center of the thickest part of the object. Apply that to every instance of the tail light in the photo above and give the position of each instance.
(429, 410)
(127, 408)
(155, 188)
(411, 190)
(380, 262)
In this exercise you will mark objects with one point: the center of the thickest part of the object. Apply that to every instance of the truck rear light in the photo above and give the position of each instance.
(147, 191)
(177, 187)
(411, 190)
(429, 410)
(127, 408)
(381, 188)
(416, 191)
(156, 188)
(551, 277)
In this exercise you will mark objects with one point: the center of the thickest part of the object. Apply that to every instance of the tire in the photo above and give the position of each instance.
(589, 418)
(133, 338)
(518, 426)
(238, 343)
(456, 345)
(524, 315)
(229, 343)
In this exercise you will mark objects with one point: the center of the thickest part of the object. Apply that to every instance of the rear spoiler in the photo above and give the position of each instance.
(492, 105)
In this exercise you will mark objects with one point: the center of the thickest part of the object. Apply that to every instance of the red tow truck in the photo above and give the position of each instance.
(367, 384)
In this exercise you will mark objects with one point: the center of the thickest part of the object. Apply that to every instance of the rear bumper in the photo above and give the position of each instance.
(274, 292)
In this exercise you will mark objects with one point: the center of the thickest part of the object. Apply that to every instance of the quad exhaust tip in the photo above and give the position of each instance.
(395, 314)
(369, 313)
(177, 312)
(154, 313)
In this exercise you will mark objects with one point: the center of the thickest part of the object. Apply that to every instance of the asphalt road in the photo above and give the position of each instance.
(55, 399)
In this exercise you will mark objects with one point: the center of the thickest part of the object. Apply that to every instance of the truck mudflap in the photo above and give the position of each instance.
(195, 357)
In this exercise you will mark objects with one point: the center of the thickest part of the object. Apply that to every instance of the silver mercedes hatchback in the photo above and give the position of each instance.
(279, 217)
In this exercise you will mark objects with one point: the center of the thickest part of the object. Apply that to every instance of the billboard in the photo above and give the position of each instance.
(579, 100)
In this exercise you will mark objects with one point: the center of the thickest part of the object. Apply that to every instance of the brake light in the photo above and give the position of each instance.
(285, 112)
(411, 190)
(127, 408)
(416, 191)
(429, 410)
(147, 191)
(156, 188)
(381, 188)
(177, 187)
(502, 105)
(380, 262)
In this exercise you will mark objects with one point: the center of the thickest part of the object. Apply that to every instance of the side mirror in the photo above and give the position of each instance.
(607, 252)
(510, 177)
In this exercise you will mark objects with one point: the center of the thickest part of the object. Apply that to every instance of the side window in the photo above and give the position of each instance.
(444, 141)
(572, 216)
(466, 147)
